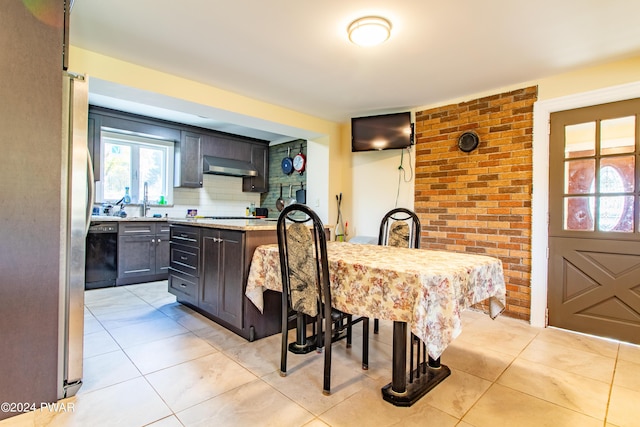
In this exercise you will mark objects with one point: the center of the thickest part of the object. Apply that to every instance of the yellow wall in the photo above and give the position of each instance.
(591, 78)
(325, 133)
(344, 172)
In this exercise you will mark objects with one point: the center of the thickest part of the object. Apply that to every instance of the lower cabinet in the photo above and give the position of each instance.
(184, 256)
(143, 252)
(208, 271)
(221, 293)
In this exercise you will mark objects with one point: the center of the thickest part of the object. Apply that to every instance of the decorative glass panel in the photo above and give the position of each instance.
(618, 135)
(579, 176)
(616, 214)
(580, 140)
(577, 213)
(617, 174)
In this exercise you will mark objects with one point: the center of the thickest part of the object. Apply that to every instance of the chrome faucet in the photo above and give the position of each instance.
(145, 200)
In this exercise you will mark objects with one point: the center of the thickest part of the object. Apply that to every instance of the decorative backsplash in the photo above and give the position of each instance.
(277, 176)
(219, 196)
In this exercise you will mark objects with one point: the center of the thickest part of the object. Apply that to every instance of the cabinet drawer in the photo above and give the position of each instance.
(162, 228)
(189, 236)
(184, 259)
(136, 228)
(183, 287)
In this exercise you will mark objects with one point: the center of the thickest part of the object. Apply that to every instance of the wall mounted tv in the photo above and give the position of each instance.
(383, 132)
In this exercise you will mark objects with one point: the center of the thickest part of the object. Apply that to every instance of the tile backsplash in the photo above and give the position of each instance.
(219, 196)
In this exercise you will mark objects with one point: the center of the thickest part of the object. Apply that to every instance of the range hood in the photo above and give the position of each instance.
(231, 167)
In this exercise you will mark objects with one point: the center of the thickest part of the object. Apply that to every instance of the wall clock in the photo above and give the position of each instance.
(299, 161)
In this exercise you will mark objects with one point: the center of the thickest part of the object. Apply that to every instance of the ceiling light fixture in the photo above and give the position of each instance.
(369, 31)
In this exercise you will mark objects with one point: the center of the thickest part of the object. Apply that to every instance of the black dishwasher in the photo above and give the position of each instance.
(101, 268)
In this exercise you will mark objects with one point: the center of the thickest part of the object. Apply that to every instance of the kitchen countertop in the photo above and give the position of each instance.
(104, 218)
(228, 224)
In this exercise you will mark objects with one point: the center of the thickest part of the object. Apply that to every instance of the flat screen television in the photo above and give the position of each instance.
(383, 132)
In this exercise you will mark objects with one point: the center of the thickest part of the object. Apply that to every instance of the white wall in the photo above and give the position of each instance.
(376, 187)
(317, 182)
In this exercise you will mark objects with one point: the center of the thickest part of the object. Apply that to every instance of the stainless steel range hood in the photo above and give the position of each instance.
(231, 167)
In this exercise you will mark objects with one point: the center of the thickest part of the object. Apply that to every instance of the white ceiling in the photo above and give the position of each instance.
(296, 54)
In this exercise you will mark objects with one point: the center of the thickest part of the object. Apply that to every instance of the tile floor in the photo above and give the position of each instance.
(150, 361)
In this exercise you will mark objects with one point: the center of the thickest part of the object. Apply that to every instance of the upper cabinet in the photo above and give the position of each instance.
(93, 143)
(188, 165)
(191, 144)
(259, 159)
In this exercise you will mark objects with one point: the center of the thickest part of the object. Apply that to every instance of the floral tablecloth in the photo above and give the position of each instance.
(427, 289)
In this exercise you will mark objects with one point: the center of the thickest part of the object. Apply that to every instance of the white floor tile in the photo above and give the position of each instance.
(152, 361)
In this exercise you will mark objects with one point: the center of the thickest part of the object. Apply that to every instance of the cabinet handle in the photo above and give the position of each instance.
(183, 258)
(159, 240)
(182, 285)
(153, 240)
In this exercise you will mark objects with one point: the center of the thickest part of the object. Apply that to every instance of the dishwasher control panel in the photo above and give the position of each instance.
(103, 228)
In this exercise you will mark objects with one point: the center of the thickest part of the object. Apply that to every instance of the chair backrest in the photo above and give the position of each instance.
(400, 227)
(302, 245)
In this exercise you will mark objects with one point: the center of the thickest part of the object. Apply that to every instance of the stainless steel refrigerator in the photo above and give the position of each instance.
(77, 197)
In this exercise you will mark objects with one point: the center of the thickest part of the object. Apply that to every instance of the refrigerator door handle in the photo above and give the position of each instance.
(92, 190)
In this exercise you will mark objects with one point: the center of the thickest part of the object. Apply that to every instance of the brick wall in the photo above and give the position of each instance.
(480, 202)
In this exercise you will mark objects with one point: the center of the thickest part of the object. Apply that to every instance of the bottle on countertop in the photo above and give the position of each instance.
(127, 197)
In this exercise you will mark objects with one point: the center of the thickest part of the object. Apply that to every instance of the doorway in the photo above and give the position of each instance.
(594, 230)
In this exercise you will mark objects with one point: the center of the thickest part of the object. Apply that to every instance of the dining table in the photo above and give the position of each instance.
(422, 291)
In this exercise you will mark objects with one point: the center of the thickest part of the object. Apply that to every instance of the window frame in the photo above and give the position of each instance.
(136, 141)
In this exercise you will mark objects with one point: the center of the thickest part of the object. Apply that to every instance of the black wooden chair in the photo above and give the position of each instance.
(302, 246)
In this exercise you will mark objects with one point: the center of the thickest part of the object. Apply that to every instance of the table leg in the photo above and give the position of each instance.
(399, 366)
(400, 393)
(302, 345)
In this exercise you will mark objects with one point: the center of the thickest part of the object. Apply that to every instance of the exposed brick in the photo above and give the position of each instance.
(480, 202)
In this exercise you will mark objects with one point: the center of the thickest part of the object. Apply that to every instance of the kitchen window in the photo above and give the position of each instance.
(129, 160)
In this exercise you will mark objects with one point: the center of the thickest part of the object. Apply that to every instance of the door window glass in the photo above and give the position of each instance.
(578, 213)
(579, 175)
(600, 176)
(580, 140)
(618, 135)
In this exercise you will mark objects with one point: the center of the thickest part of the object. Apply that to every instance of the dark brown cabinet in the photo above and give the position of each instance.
(94, 125)
(259, 159)
(162, 248)
(221, 292)
(227, 147)
(188, 165)
(184, 255)
(209, 270)
(143, 252)
(191, 143)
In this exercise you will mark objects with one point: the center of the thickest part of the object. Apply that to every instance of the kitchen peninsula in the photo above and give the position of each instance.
(209, 266)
